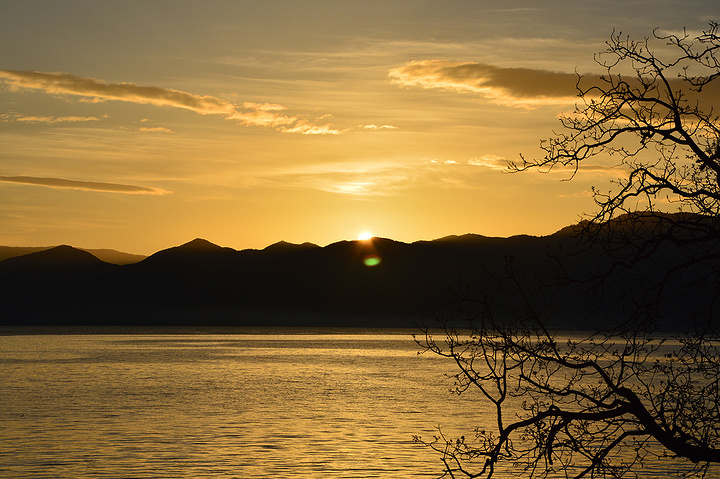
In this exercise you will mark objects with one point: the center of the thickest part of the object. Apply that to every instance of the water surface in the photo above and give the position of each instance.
(271, 404)
(241, 405)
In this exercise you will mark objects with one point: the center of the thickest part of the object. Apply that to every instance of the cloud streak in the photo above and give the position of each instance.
(64, 83)
(383, 178)
(520, 87)
(47, 119)
(511, 86)
(84, 185)
(155, 129)
(247, 114)
(493, 162)
(378, 127)
(306, 128)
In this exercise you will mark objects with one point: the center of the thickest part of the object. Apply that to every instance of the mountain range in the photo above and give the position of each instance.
(106, 255)
(374, 283)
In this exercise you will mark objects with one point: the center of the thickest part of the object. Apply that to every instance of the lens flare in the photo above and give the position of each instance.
(371, 260)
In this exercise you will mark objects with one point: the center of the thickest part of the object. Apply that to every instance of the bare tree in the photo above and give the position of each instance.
(602, 405)
(660, 122)
(659, 110)
(611, 402)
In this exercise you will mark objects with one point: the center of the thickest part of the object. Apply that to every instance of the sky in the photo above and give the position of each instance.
(140, 125)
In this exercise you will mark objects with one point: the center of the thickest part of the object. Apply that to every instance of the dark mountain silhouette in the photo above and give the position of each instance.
(115, 257)
(285, 246)
(381, 282)
(106, 255)
(197, 253)
(14, 251)
(53, 286)
(61, 258)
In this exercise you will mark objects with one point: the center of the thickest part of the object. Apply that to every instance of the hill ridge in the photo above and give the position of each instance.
(380, 282)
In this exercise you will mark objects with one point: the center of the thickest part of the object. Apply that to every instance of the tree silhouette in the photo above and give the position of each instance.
(662, 126)
(608, 403)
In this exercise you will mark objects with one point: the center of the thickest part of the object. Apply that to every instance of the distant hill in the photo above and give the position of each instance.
(13, 251)
(380, 282)
(106, 255)
(58, 259)
(115, 257)
(198, 252)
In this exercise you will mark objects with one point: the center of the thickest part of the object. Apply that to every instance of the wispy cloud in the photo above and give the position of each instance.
(155, 129)
(247, 114)
(380, 178)
(47, 119)
(64, 83)
(501, 164)
(493, 162)
(306, 128)
(84, 185)
(521, 87)
(262, 114)
(357, 184)
(511, 86)
(378, 127)
(490, 161)
(365, 179)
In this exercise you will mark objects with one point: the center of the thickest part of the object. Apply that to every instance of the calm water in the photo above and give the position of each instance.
(271, 405)
(221, 406)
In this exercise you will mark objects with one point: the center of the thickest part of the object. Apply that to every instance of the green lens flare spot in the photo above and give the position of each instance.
(371, 260)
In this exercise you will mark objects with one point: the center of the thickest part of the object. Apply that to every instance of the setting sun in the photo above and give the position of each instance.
(365, 235)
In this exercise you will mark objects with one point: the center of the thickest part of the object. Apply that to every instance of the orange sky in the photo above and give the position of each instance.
(142, 125)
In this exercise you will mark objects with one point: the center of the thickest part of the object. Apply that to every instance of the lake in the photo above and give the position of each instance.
(262, 404)
(275, 404)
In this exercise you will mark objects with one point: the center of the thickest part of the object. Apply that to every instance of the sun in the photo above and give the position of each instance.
(365, 235)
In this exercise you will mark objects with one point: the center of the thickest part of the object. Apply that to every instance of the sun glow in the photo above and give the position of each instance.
(365, 235)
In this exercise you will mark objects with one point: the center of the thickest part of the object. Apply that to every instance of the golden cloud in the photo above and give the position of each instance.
(47, 119)
(493, 162)
(378, 127)
(513, 86)
(381, 178)
(524, 87)
(84, 185)
(248, 114)
(156, 129)
(306, 128)
(64, 83)
(262, 106)
(262, 118)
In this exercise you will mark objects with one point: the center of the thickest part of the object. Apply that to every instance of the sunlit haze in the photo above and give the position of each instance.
(138, 126)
